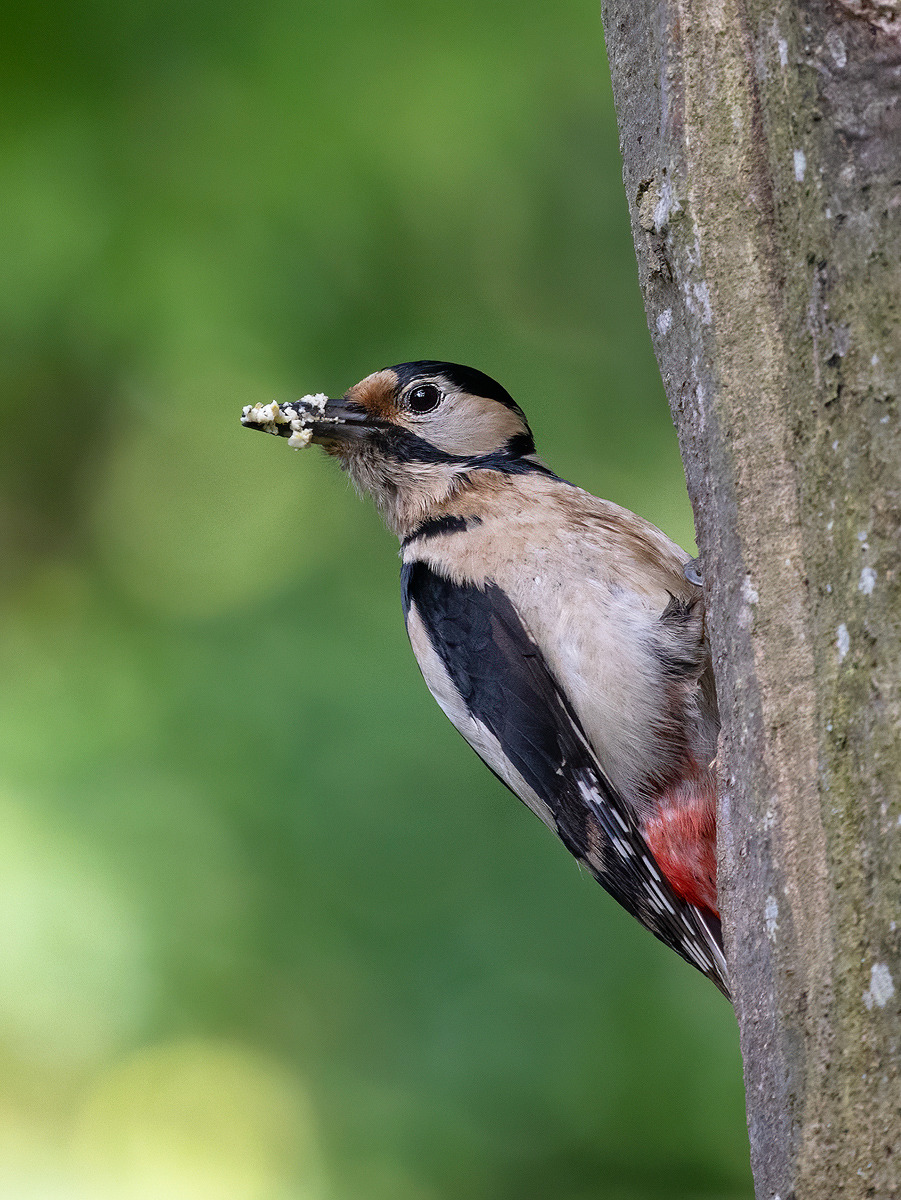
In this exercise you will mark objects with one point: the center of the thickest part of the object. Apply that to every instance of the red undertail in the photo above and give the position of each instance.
(682, 838)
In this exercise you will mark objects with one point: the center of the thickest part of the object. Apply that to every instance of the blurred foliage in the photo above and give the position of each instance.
(270, 931)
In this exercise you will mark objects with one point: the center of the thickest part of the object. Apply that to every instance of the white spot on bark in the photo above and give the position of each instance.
(702, 297)
(782, 46)
(665, 207)
(664, 320)
(862, 536)
(800, 161)
(835, 444)
(881, 988)
(749, 597)
(841, 338)
(867, 581)
(874, 361)
(771, 916)
(700, 398)
(837, 48)
(842, 641)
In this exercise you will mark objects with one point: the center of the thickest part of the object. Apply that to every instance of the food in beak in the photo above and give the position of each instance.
(293, 421)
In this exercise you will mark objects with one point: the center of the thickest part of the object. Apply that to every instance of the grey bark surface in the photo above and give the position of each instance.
(762, 164)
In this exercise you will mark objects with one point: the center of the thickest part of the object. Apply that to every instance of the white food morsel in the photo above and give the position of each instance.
(299, 416)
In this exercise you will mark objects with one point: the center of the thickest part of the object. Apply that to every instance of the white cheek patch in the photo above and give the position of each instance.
(469, 425)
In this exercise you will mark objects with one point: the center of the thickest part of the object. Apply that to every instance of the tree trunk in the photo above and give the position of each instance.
(762, 147)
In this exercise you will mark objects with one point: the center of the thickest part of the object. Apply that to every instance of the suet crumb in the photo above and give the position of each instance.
(299, 416)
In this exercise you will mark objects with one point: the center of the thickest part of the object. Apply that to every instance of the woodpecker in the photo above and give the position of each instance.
(561, 634)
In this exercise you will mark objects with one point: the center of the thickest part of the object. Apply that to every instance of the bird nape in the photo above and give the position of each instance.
(561, 634)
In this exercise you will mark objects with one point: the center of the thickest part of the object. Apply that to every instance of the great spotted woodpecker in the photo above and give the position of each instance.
(561, 634)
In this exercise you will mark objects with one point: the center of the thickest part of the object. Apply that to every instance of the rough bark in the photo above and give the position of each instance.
(762, 151)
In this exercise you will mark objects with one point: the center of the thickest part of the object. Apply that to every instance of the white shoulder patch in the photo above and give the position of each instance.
(452, 704)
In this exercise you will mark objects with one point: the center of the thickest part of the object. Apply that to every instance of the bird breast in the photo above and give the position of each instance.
(590, 583)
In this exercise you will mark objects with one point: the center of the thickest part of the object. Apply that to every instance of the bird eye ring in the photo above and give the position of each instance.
(424, 398)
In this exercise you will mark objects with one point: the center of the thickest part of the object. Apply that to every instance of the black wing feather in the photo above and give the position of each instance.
(507, 686)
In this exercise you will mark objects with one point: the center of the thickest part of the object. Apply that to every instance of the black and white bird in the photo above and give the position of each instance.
(561, 634)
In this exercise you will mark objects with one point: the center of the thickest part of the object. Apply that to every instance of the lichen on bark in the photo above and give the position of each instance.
(762, 164)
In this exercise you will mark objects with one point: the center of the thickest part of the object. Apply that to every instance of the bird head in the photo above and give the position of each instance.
(412, 435)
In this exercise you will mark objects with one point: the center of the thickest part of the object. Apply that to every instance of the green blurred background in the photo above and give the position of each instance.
(268, 929)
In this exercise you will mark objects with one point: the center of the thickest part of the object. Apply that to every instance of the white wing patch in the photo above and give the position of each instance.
(479, 736)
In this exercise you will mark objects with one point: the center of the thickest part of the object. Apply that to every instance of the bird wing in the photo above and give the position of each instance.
(492, 680)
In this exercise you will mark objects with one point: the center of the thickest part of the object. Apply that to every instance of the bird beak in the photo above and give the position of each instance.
(313, 419)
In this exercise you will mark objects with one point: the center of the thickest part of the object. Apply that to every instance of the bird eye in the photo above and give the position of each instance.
(424, 398)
